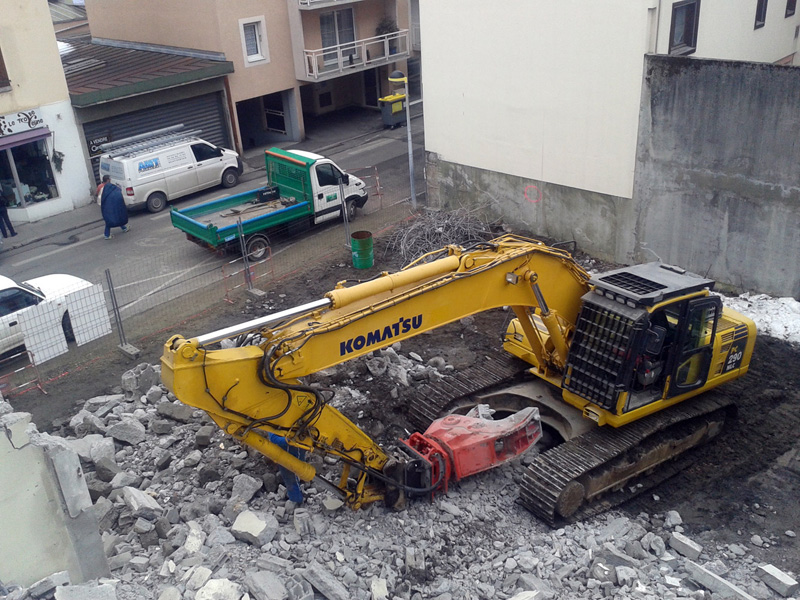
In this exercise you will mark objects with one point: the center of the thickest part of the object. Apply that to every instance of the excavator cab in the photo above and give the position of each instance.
(646, 337)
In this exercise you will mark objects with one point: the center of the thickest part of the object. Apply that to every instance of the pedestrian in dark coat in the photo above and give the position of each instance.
(112, 205)
(5, 223)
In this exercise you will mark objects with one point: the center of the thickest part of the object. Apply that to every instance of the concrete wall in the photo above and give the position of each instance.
(717, 187)
(546, 91)
(46, 516)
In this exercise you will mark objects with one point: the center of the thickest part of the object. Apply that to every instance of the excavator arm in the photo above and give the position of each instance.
(254, 390)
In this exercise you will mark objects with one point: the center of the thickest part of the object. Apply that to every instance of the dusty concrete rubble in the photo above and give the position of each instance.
(186, 513)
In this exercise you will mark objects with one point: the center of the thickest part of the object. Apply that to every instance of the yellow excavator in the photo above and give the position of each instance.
(610, 366)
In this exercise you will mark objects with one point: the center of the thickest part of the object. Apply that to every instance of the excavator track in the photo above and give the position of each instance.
(428, 402)
(556, 478)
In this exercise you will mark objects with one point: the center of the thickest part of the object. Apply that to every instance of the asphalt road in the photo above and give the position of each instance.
(154, 259)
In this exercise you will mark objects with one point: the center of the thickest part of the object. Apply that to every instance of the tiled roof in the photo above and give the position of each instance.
(99, 73)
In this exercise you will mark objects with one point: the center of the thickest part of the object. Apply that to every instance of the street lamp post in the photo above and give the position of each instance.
(399, 77)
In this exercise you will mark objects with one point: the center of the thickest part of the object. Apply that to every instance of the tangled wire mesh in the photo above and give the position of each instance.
(435, 229)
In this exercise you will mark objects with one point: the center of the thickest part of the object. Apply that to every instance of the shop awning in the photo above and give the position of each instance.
(25, 137)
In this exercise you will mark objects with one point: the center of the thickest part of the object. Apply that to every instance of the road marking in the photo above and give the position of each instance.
(56, 251)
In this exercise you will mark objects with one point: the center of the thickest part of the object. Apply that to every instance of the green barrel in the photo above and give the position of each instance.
(361, 244)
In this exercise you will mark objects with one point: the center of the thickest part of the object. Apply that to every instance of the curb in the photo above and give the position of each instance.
(52, 233)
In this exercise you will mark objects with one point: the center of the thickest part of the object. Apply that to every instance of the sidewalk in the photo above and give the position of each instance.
(322, 135)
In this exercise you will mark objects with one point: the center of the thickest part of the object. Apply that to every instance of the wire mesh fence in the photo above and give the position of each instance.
(156, 293)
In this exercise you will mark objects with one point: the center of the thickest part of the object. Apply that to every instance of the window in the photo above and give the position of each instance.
(683, 32)
(4, 81)
(791, 5)
(761, 14)
(254, 40)
(13, 299)
(327, 174)
(204, 152)
(338, 29)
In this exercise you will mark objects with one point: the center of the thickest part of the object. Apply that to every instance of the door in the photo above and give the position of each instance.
(12, 301)
(209, 165)
(371, 88)
(327, 204)
(337, 28)
(695, 346)
(179, 171)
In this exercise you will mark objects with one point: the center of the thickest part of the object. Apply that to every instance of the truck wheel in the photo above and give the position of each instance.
(351, 208)
(230, 178)
(156, 202)
(257, 247)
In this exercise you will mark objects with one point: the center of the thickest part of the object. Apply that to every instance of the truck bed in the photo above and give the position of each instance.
(215, 223)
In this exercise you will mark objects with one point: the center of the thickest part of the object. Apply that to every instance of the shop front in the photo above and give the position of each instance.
(26, 174)
(34, 181)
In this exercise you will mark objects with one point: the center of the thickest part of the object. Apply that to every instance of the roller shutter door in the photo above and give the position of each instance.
(202, 112)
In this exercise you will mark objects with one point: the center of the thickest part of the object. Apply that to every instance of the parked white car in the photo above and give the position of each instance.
(16, 297)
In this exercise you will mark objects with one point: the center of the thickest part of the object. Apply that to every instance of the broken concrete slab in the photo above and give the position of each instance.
(141, 504)
(91, 591)
(219, 589)
(324, 582)
(265, 585)
(255, 528)
(714, 582)
(685, 546)
(779, 581)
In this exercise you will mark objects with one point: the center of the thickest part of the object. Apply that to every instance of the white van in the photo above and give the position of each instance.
(153, 171)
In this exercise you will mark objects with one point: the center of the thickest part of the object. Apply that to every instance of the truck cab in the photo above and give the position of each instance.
(324, 176)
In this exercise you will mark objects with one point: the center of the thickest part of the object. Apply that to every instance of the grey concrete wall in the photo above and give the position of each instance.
(538, 208)
(47, 522)
(717, 184)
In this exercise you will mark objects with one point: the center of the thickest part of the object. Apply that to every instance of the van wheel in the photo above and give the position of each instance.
(66, 325)
(156, 202)
(230, 178)
(257, 247)
(352, 209)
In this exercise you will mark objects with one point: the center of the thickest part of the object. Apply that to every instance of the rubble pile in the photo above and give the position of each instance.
(186, 513)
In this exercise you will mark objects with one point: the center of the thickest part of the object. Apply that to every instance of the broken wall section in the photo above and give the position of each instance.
(47, 523)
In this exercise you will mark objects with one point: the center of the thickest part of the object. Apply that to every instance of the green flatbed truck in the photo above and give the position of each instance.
(303, 189)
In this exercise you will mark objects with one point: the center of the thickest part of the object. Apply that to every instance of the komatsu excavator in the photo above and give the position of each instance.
(614, 366)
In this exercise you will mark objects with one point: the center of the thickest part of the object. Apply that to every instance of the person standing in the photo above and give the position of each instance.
(5, 223)
(112, 205)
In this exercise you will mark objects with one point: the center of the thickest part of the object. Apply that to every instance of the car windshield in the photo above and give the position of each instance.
(31, 288)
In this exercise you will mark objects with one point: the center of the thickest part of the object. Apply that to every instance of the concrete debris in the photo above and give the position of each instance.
(186, 513)
(779, 581)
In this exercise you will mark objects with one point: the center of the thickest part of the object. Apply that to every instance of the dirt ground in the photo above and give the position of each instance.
(744, 483)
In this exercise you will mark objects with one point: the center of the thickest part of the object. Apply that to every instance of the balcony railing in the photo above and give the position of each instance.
(332, 61)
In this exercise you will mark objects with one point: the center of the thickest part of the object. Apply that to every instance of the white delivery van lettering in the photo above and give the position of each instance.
(175, 157)
(149, 165)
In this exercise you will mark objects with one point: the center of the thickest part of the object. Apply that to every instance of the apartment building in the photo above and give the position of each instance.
(42, 166)
(568, 119)
(290, 57)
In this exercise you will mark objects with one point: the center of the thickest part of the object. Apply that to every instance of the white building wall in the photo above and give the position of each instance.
(542, 90)
(550, 91)
(726, 31)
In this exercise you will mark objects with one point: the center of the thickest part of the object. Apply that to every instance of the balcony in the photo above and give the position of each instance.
(314, 4)
(360, 55)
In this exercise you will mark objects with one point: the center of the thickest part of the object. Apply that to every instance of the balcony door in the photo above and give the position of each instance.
(338, 29)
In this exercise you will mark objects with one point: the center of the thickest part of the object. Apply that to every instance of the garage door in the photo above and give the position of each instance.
(202, 112)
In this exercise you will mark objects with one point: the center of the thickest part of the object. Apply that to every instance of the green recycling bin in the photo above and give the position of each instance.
(393, 110)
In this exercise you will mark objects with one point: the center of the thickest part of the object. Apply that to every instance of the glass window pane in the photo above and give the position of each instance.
(251, 39)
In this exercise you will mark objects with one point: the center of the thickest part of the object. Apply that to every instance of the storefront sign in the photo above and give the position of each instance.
(20, 122)
(95, 143)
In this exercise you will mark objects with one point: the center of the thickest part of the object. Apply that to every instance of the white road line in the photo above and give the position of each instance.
(56, 251)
